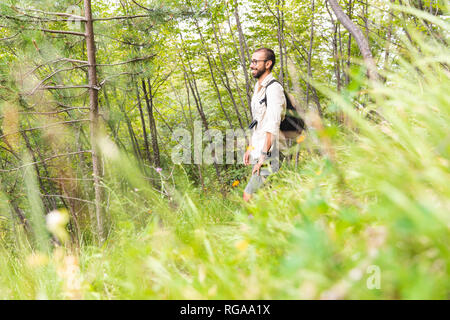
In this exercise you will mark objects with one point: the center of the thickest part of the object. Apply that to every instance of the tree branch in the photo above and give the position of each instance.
(67, 179)
(43, 127)
(118, 75)
(55, 61)
(51, 112)
(125, 62)
(66, 197)
(64, 32)
(56, 112)
(61, 14)
(45, 160)
(121, 17)
(57, 87)
(52, 74)
(8, 38)
(121, 41)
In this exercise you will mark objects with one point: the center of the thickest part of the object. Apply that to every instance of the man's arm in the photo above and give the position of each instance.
(265, 149)
(247, 153)
(267, 142)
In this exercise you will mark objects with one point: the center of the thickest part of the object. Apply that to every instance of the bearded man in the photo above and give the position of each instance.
(267, 105)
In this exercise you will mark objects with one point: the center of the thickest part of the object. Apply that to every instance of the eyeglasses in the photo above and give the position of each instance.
(254, 61)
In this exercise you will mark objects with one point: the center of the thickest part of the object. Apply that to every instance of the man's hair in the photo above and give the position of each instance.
(270, 55)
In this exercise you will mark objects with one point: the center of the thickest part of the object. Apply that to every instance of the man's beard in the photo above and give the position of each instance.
(259, 73)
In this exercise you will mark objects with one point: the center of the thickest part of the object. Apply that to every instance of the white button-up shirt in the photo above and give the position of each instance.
(268, 116)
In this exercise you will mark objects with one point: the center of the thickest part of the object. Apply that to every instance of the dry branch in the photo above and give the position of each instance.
(66, 197)
(63, 32)
(125, 62)
(62, 14)
(45, 160)
(43, 127)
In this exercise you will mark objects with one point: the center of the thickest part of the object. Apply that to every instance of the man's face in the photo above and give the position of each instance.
(258, 64)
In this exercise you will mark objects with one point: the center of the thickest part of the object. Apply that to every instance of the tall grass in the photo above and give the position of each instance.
(365, 217)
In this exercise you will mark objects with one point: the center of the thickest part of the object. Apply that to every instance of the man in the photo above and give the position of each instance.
(263, 151)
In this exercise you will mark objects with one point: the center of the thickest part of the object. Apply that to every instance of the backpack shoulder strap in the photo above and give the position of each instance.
(265, 94)
(273, 80)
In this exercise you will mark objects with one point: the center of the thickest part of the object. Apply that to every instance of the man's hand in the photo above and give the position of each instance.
(247, 156)
(257, 166)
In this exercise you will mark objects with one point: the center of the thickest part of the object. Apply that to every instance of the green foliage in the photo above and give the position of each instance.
(369, 193)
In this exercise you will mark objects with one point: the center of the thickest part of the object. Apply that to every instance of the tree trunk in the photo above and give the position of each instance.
(244, 53)
(242, 42)
(149, 100)
(225, 77)
(337, 63)
(133, 139)
(49, 203)
(144, 129)
(388, 40)
(405, 28)
(239, 91)
(213, 78)
(366, 19)
(280, 43)
(248, 85)
(311, 41)
(200, 176)
(238, 88)
(199, 105)
(349, 44)
(361, 40)
(94, 116)
(111, 124)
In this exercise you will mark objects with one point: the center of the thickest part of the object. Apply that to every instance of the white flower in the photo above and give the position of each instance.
(56, 223)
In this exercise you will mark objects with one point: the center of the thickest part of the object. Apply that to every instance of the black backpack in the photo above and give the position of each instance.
(292, 125)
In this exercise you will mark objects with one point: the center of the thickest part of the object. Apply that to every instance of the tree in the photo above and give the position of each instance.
(94, 116)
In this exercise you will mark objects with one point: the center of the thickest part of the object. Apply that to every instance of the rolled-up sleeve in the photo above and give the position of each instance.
(275, 106)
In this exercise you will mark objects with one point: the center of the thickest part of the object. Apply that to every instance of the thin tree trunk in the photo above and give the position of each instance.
(304, 78)
(341, 55)
(200, 175)
(134, 142)
(94, 116)
(110, 123)
(309, 76)
(240, 95)
(244, 53)
(388, 40)
(239, 91)
(248, 84)
(49, 204)
(225, 76)
(180, 101)
(405, 29)
(349, 44)
(198, 103)
(361, 40)
(242, 42)
(144, 129)
(337, 63)
(283, 40)
(366, 19)
(188, 98)
(149, 100)
(280, 43)
(213, 78)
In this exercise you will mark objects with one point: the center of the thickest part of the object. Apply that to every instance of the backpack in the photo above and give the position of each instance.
(292, 125)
